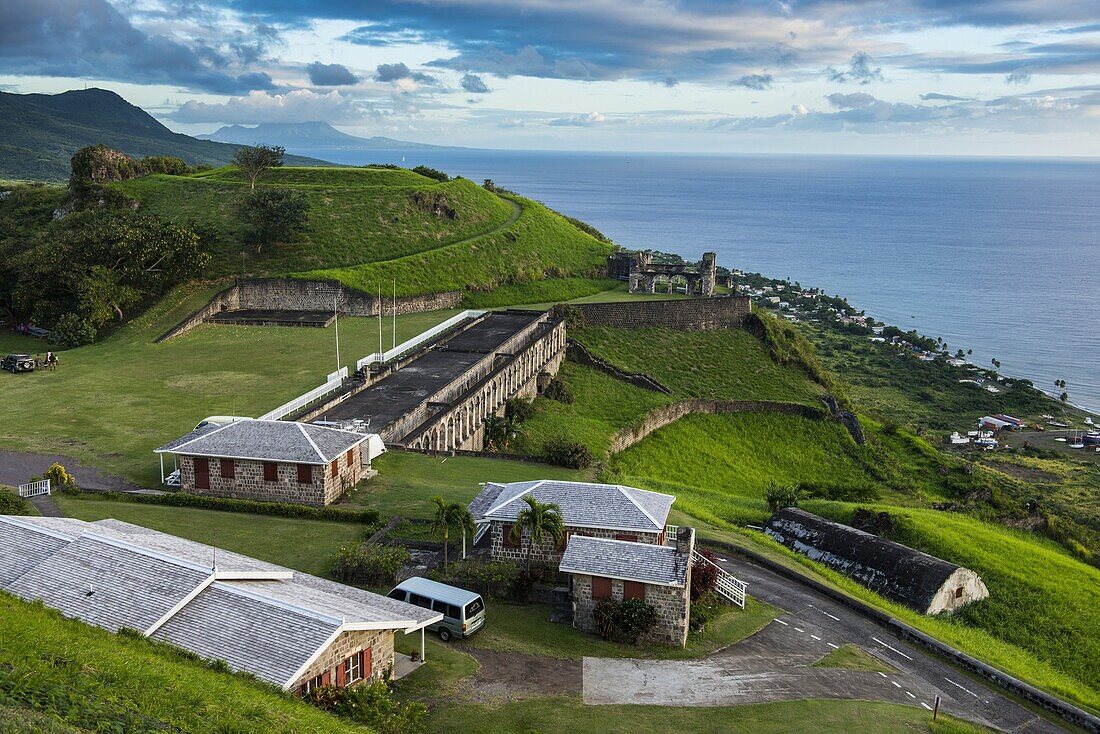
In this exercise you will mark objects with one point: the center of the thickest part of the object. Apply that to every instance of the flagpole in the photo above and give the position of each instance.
(395, 313)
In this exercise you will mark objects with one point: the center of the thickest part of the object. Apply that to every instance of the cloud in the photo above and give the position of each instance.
(938, 97)
(757, 82)
(299, 105)
(853, 101)
(474, 84)
(1018, 77)
(91, 38)
(588, 120)
(669, 82)
(399, 71)
(330, 75)
(859, 71)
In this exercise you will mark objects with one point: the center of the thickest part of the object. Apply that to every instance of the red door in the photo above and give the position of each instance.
(202, 473)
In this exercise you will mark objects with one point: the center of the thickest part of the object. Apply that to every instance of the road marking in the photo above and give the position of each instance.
(907, 693)
(830, 616)
(896, 684)
(899, 652)
(922, 703)
(816, 637)
(975, 695)
(800, 629)
(883, 674)
(832, 645)
(782, 622)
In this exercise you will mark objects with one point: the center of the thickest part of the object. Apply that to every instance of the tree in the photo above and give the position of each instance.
(542, 521)
(780, 498)
(447, 515)
(499, 432)
(274, 215)
(254, 160)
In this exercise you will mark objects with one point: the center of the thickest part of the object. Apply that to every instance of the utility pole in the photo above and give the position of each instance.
(380, 304)
(395, 313)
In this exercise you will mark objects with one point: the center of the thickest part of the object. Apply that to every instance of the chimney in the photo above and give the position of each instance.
(685, 541)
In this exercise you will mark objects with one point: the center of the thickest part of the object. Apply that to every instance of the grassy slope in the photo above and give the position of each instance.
(92, 680)
(357, 215)
(112, 403)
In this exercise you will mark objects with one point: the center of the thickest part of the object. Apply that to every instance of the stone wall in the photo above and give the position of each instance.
(380, 643)
(579, 353)
(547, 553)
(662, 416)
(673, 605)
(290, 294)
(248, 481)
(687, 314)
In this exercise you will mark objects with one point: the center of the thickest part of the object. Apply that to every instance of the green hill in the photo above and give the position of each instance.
(40, 132)
(60, 675)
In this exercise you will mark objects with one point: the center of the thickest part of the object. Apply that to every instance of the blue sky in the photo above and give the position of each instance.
(948, 77)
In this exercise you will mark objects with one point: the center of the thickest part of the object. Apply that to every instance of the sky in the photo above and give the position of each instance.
(909, 77)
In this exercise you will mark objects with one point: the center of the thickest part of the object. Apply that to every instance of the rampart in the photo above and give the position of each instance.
(685, 314)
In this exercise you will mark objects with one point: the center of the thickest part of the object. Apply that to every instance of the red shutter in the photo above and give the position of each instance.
(341, 675)
(335, 467)
(627, 536)
(305, 474)
(228, 469)
(601, 587)
(202, 472)
(326, 678)
(633, 590)
(366, 662)
(271, 471)
(350, 456)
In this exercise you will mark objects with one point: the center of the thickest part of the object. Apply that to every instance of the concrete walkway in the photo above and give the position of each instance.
(773, 665)
(45, 505)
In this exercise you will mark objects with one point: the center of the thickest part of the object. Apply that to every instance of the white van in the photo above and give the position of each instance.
(463, 611)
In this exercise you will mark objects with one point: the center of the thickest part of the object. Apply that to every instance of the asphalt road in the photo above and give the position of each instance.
(810, 615)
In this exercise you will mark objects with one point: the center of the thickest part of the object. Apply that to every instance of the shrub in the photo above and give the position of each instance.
(780, 498)
(73, 331)
(706, 608)
(556, 389)
(59, 477)
(570, 454)
(164, 164)
(372, 704)
(430, 172)
(13, 504)
(369, 563)
(628, 620)
(704, 576)
(523, 581)
(493, 579)
(224, 504)
(518, 410)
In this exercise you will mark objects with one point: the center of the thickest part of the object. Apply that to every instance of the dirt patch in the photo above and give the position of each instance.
(1025, 473)
(510, 676)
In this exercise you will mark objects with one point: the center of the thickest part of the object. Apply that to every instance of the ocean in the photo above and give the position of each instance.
(1001, 256)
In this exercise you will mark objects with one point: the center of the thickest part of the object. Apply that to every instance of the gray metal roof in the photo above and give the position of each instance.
(582, 504)
(621, 559)
(286, 441)
(258, 617)
(435, 590)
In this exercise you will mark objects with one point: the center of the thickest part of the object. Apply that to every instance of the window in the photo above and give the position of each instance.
(601, 587)
(633, 590)
(627, 536)
(335, 467)
(959, 593)
(305, 474)
(509, 541)
(420, 601)
(271, 471)
(353, 669)
(474, 607)
(447, 610)
(313, 683)
(202, 473)
(229, 470)
(398, 594)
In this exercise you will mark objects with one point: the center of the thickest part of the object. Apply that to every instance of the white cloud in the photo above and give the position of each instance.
(300, 105)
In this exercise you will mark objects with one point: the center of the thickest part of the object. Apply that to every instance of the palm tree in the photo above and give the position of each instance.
(540, 521)
(448, 515)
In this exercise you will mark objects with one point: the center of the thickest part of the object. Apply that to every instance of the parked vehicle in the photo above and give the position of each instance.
(219, 420)
(463, 611)
(18, 363)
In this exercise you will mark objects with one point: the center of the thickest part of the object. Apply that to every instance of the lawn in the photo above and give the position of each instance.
(527, 630)
(304, 545)
(68, 676)
(112, 403)
(407, 481)
(853, 657)
(544, 292)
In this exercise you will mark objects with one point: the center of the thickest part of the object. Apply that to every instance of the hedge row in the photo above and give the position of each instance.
(278, 509)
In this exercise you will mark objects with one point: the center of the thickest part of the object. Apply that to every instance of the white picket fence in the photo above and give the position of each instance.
(730, 587)
(416, 341)
(34, 489)
(333, 383)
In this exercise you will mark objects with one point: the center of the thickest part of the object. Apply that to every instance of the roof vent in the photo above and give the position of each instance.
(91, 590)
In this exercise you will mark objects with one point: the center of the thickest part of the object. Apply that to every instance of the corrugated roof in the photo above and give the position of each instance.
(621, 559)
(583, 504)
(259, 617)
(286, 441)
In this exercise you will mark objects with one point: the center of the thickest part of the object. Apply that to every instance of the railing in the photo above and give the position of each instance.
(671, 531)
(34, 489)
(480, 532)
(409, 345)
(733, 589)
(334, 381)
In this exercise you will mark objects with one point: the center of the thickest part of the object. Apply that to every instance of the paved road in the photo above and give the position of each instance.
(17, 467)
(810, 615)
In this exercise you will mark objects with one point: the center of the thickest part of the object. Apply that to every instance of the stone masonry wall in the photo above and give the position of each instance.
(547, 553)
(248, 481)
(688, 314)
(290, 294)
(673, 605)
(380, 643)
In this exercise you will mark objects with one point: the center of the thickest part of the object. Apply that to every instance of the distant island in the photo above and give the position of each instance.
(309, 135)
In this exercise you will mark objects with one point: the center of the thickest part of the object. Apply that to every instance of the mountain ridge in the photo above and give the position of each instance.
(309, 135)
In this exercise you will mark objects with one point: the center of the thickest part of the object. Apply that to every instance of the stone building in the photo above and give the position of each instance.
(601, 568)
(607, 511)
(290, 629)
(646, 276)
(271, 461)
(922, 582)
